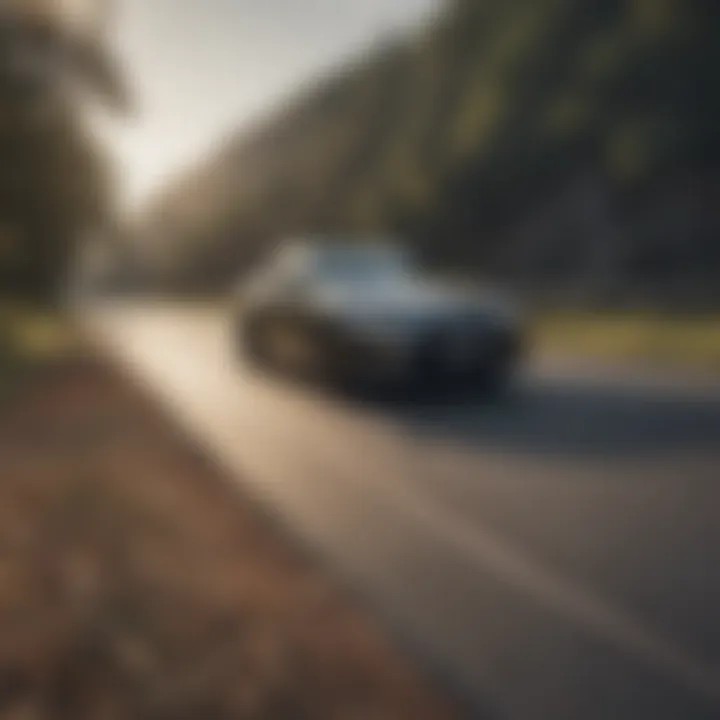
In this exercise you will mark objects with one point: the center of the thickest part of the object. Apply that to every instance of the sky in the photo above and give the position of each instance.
(199, 69)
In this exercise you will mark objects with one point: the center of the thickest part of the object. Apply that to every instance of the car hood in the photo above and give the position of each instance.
(412, 301)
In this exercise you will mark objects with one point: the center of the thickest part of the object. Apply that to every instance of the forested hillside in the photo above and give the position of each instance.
(564, 144)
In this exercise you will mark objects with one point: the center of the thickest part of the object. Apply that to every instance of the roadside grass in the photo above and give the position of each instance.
(690, 342)
(30, 337)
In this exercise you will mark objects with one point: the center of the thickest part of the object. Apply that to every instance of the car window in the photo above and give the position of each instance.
(362, 264)
(291, 267)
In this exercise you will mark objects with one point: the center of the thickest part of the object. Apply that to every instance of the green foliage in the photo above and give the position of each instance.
(55, 183)
(461, 135)
(687, 342)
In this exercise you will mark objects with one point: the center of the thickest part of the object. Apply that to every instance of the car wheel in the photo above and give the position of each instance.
(250, 342)
(292, 346)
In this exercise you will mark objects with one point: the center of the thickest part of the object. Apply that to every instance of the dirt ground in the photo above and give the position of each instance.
(135, 582)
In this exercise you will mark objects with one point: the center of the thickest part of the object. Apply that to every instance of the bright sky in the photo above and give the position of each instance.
(200, 68)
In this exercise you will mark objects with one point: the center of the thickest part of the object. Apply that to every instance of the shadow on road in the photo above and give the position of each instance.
(569, 419)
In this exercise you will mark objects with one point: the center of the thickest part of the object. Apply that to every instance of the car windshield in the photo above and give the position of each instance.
(358, 264)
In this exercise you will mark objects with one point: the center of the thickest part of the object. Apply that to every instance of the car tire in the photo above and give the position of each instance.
(249, 341)
(255, 347)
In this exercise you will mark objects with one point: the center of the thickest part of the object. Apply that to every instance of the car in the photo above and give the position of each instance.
(363, 313)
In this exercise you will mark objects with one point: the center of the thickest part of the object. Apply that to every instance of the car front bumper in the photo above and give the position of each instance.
(443, 355)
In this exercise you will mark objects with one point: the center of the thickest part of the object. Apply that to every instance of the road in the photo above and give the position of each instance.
(557, 556)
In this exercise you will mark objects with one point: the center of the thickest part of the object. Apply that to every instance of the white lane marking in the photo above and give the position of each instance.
(484, 549)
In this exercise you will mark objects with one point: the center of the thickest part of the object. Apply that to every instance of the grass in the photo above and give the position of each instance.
(30, 336)
(686, 342)
(35, 332)
(680, 341)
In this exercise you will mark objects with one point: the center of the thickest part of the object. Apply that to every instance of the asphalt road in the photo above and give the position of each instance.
(557, 556)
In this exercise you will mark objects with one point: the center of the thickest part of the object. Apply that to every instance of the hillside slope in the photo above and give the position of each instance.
(569, 144)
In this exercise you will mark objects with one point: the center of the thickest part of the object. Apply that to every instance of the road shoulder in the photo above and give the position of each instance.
(139, 582)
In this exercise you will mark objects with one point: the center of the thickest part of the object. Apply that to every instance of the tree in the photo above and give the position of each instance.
(55, 184)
